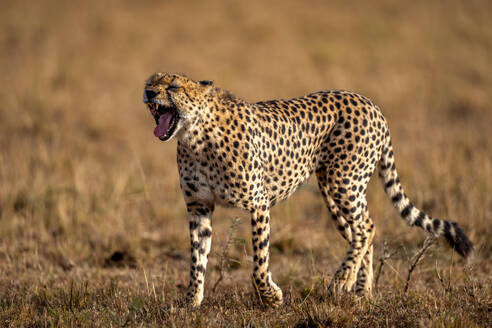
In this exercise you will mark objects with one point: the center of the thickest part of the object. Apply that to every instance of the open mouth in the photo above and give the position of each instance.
(166, 118)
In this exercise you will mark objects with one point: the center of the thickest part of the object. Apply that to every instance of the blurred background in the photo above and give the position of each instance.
(87, 191)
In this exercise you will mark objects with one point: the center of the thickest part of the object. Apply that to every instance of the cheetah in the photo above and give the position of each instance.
(253, 155)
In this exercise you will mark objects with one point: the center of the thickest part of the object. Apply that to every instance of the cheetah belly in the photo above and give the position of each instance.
(280, 185)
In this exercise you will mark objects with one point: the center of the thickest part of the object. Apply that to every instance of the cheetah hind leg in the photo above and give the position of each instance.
(342, 226)
(363, 286)
(345, 278)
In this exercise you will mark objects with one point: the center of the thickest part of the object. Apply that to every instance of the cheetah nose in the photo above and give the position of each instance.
(150, 94)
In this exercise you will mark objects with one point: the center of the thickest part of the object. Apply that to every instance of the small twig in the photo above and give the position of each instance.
(398, 275)
(305, 298)
(382, 261)
(417, 258)
(146, 280)
(373, 303)
(445, 285)
(224, 255)
(441, 280)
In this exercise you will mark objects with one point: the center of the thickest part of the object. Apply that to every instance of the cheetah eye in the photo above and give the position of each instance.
(173, 87)
(206, 83)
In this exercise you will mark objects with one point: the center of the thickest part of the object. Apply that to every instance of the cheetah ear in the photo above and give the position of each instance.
(206, 85)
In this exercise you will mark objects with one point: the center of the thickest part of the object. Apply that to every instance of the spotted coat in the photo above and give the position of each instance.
(253, 155)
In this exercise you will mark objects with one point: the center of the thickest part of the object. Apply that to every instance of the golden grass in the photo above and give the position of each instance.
(82, 177)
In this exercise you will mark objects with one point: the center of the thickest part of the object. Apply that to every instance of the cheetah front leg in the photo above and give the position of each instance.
(200, 216)
(269, 292)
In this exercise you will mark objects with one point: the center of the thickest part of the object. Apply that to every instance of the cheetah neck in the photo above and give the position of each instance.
(211, 126)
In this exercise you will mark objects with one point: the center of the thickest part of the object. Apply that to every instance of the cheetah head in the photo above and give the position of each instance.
(175, 102)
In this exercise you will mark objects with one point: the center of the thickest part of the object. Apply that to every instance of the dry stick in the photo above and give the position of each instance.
(447, 286)
(382, 261)
(225, 249)
(418, 257)
(441, 280)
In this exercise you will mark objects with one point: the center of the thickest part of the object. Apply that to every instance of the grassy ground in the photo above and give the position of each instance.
(93, 229)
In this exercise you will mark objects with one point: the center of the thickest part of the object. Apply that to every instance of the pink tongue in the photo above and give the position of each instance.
(164, 122)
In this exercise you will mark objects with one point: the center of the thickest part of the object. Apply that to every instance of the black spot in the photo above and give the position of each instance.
(420, 219)
(406, 211)
(205, 233)
(202, 211)
(436, 223)
(192, 186)
(389, 183)
(397, 197)
(193, 225)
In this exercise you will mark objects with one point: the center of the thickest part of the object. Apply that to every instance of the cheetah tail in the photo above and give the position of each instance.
(412, 215)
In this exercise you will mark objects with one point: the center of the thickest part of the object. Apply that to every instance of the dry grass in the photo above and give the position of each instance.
(93, 229)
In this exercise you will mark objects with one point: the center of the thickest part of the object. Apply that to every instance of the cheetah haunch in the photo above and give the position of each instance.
(253, 155)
